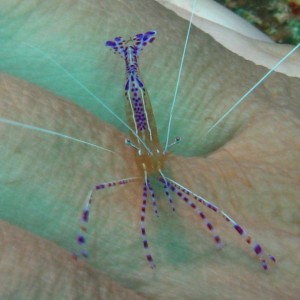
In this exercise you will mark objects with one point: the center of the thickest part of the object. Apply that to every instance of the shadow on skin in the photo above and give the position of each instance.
(250, 168)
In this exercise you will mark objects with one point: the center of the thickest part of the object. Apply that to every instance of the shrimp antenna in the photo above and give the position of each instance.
(129, 143)
(179, 74)
(90, 93)
(233, 107)
(177, 140)
(35, 128)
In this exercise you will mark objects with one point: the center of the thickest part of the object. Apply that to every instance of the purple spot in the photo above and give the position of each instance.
(272, 258)
(212, 207)
(139, 82)
(201, 214)
(127, 85)
(239, 229)
(209, 226)
(143, 231)
(217, 239)
(110, 44)
(100, 186)
(257, 249)
(85, 215)
(145, 244)
(151, 40)
(151, 32)
(149, 257)
(264, 264)
(81, 239)
(193, 205)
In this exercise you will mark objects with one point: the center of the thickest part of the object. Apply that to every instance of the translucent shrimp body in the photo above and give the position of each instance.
(137, 104)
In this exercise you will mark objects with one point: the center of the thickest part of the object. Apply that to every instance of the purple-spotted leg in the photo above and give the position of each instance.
(208, 224)
(143, 228)
(257, 248)
(153, 198)
(81, 237)
(167, 191)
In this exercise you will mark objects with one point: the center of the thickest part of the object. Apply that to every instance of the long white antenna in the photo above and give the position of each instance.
(90, 93)
(252, 89)
(179, 74)
(22, 125)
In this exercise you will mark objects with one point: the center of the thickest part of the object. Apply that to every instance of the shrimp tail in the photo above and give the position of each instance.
(139, 41)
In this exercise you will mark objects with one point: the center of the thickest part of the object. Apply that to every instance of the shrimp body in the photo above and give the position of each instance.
(150, 156)
(137, 104)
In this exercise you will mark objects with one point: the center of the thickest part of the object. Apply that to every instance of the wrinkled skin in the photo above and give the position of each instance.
(248, 166)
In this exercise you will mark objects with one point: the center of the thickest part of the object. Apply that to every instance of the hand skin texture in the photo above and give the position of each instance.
(248, 166)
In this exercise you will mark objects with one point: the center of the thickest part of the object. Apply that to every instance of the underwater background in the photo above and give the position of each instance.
(278, 19)
(49, 52)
